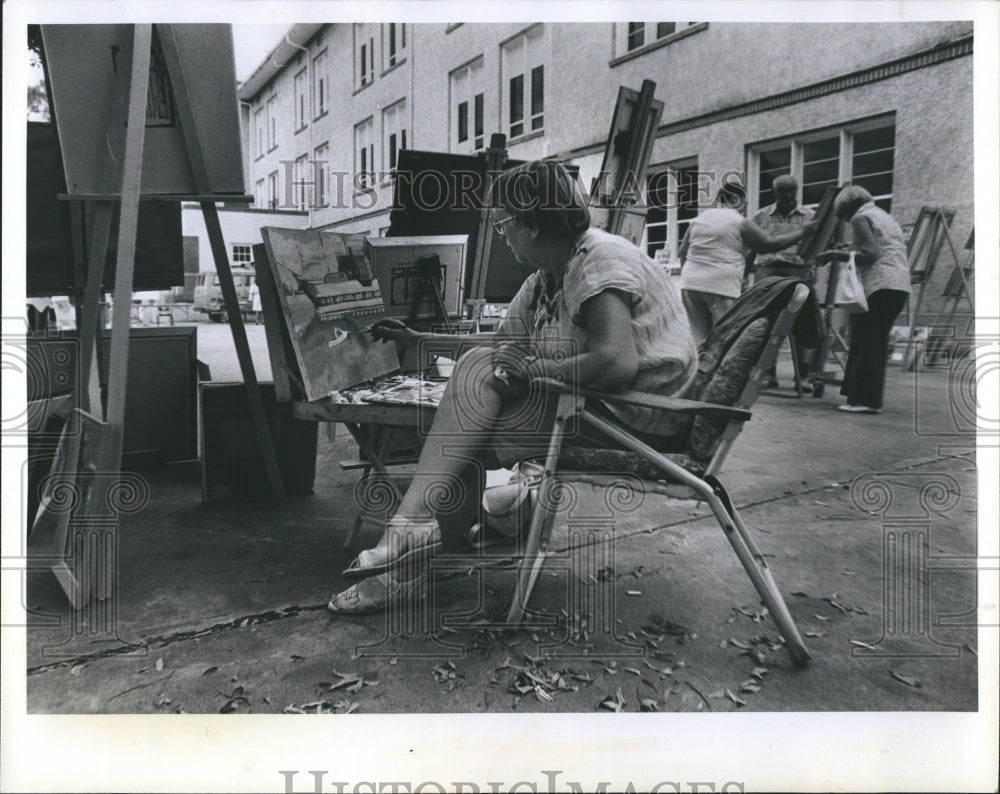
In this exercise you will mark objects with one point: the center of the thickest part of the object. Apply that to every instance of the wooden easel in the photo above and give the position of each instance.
(120, 184)
(928, 237)
(828, 227)
(626, 157)
(955, 290)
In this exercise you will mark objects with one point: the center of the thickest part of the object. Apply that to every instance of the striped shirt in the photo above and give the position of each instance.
(551, 315)
(778, 225)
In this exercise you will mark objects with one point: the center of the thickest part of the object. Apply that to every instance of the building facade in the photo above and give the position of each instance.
(885, 105)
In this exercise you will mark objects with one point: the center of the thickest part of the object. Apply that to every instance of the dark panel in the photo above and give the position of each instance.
(231, 456)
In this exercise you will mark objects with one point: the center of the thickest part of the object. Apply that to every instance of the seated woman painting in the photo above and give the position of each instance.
(595, 311)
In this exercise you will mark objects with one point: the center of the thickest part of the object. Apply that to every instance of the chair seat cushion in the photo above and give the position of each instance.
(726, 385)
(622, 462)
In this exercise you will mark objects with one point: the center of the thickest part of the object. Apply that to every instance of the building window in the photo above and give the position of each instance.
(633, 36)
(861, 153)
(301, 101)
(672, 198)
(272, 122)
(320, 87)
(259, 133)
(394, 132)
(467, 105)
(364, 155)
(321, 159)
(272, 190)
(242, 254)
(301, 180)
(364, 49)
(394, 43)
(524, 78)
(260, 194)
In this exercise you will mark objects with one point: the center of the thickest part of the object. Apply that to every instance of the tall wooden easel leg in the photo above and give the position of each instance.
(221, 256)
(196, 155)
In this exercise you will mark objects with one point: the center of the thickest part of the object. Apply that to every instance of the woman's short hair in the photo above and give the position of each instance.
(849, 200)
(544, 195)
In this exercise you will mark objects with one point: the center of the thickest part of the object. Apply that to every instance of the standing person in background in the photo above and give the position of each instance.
(783, 217)
(713, 257)
(880, 256)
(254, 296)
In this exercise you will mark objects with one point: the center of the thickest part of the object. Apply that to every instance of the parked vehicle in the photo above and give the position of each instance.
(208, 293)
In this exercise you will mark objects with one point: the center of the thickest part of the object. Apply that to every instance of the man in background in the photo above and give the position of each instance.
(783, 217)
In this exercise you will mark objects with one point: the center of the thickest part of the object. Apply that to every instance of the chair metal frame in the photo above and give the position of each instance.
(704, 487)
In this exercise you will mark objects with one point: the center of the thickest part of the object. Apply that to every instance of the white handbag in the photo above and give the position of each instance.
(850, 294)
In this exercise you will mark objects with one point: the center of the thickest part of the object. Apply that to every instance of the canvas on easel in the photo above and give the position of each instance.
(329, 297)
(621, 184)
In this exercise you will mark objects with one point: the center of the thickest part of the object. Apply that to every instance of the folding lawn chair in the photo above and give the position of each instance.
(730, 378)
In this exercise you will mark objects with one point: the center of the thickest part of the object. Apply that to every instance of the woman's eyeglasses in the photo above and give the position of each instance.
(498, 225)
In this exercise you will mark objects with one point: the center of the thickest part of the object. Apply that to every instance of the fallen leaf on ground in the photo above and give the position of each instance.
(614, 702)
(76, 669)
(159, 665)
(740, 644)
(759, 672)
(860, 644)
(648, 704)
(211, 669)
(822, 617)
(906, 679)
(814, 633)
(733, 697)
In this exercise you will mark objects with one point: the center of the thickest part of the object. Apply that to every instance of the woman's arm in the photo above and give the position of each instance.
(610, 358)
(392, 330)
(864, 241)
(759, 241)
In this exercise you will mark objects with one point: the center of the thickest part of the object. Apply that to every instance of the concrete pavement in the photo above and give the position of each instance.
(865, 520)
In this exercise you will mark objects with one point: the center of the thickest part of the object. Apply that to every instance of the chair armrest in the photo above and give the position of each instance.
(646, 400)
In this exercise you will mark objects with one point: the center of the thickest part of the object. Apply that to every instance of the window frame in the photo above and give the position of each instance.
(272, 190)
(675, 225)
(393, 57)
(272, 123)
(394, 122)
(845, 134)
(300, 83)
(463, 83)
(521, 56)
(321, 156)
(320, 85)
(236, 253)
(364, 55)
(364, 154)
(650, 38)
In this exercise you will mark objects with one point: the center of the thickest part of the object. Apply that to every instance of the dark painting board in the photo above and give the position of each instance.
(826, 227)
(394, 262)
(926, 241)
(81, 64)
(329, 298)
(50, 265)
(440, 193)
